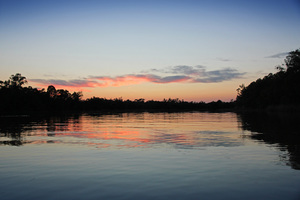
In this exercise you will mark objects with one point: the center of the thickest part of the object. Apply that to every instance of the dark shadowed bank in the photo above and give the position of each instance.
(275, 128)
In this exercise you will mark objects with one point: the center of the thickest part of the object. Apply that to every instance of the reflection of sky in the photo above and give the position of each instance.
(175, 130)
(59, 160)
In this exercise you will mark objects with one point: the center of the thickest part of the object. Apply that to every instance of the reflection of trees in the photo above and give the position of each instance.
(14, 129)
(281, 129)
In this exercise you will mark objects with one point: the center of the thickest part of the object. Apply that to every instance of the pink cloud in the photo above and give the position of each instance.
(180, 74)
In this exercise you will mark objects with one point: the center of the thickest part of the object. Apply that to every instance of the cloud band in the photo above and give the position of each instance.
(176, 74)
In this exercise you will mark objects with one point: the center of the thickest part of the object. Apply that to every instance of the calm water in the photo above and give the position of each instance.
(150, 156)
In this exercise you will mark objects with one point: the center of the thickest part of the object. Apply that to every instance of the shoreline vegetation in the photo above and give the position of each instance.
(18, 100)
(274, 92)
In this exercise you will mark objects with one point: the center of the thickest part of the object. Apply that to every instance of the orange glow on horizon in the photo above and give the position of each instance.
(135, 87)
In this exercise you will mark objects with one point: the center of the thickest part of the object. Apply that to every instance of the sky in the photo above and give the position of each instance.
(192, 50)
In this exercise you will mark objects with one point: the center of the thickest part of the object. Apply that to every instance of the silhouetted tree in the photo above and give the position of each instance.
(292, 61)
(15, 98)
(281, 88)
(16, 80)
(76, 96)
(51, 91)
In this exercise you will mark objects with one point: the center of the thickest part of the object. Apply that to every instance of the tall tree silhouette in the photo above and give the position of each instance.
(16, 80)
(281, 88)
(292, 61)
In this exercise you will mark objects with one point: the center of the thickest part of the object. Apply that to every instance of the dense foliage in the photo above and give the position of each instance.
(96, 103)
(16, 98)
(281, 88)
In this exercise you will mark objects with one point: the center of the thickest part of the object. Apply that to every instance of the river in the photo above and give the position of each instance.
(188, 155)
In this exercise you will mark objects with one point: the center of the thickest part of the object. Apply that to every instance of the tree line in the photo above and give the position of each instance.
(17, 98)
(273, 90)
(279, 89)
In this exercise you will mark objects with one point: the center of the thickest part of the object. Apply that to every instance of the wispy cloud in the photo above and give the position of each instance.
(219, 76)
(279, 55)
(74, 83)
(137, 78)
(188, 70)
(176, 74)
(199, 74)
(224, 59)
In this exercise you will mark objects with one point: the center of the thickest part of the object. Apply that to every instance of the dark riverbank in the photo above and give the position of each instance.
(16, 99)
(125, 108)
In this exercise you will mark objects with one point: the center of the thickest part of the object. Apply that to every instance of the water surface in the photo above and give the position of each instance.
(150, 156)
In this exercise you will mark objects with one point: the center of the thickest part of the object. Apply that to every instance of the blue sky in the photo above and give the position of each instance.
(147, 49)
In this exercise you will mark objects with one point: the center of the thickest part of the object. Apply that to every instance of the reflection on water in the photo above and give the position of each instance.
(19, 130)
(172, 130)
(179, 130)
(279, 129)
(150, 156)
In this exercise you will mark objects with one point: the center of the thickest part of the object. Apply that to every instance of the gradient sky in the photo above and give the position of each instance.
(191, 50)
